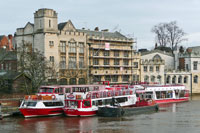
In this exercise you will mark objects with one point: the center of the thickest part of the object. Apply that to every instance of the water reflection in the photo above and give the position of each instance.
(175, 117)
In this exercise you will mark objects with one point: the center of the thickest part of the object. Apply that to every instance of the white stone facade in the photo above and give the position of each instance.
(54, 41)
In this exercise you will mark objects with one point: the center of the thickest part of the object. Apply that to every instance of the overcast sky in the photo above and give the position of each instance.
(131, 17)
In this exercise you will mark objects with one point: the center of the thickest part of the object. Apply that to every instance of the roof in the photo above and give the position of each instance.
(61, 25)
(195, 49)
(10, 75)
(156, 51)
(7, 55)
(103, 34)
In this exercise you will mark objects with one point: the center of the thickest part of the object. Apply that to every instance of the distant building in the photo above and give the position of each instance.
(153, 65)
(8, 60)
(189, 61)
(6, 42)
(14, 82)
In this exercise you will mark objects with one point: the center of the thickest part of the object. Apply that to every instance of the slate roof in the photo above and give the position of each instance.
(10, 75)
(61, 25)
(103, 34)
(7, 55)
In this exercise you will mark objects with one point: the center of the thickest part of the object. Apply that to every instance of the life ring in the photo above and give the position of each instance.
(53, 97)
(109, 94)
(88, 96)
(97, 95)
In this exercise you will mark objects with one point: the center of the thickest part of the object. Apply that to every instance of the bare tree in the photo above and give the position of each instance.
(161, 36)
(169, 34)
(35, 65)
(175, 34)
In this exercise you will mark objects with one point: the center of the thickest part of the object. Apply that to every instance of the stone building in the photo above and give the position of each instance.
(189, 61)
(110, 56)
(61, 43)
(79, 54)
(153, 65)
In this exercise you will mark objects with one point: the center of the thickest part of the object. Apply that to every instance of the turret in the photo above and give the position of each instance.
(45, 20)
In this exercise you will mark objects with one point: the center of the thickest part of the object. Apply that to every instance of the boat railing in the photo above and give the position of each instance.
(110, 93)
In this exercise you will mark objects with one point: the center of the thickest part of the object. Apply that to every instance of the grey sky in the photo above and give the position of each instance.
(128, 16)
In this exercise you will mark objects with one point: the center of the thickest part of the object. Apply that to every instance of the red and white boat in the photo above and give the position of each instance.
(49, 101)
(86, 103)
(164, 93)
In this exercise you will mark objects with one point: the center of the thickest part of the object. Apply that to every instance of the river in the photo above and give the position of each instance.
(171, 118)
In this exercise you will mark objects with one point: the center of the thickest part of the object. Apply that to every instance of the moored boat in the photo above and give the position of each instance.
(164, 93)
(143, 104)
(116, 111)
(34, 106)
(87, 103)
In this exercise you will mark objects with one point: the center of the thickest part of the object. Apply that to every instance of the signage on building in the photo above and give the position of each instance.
(107, 46)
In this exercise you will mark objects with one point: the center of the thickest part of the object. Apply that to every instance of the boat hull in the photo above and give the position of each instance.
(172, 100)
(36, 112)
(120, 111)
(75, 112)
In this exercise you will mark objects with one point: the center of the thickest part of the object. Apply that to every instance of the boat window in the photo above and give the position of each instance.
(56, 90)
(121, 99)
(161, 94)
(67, 90)
(80, 89)
(49, 90)
(95, 103)
(31, 104)
(87, 104)
(72, 103)
(108, 101)
(182, 93)
(148, 95)
(169, 94)
(48, 104)
(100, 102)
(60, 90)
(158, 94)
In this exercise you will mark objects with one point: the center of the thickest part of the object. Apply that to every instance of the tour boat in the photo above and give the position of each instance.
(50, 99)
(87, 103)
(34, 105)
(47, 102)
(164, 93)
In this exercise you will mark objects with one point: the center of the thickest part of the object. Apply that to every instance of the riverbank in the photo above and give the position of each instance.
(9, 107)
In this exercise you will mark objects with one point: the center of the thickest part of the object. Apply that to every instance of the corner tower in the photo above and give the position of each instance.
(45, 20)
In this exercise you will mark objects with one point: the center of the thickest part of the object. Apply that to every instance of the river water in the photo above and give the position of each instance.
(171, 118)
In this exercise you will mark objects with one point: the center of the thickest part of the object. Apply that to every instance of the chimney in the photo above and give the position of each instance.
(10, 41)
(105, 30)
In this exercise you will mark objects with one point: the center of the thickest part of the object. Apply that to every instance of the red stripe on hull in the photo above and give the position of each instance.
(33, 112)
(73, 112)
(172, 100)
